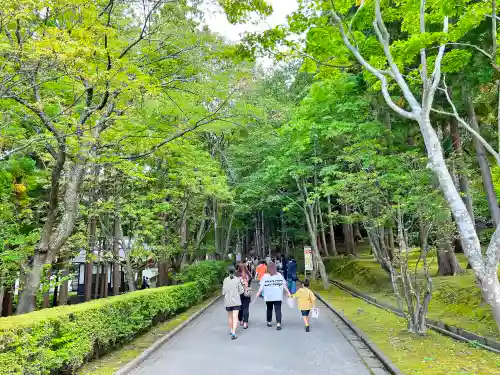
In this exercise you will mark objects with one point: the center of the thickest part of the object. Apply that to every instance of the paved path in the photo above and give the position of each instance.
(204, 348)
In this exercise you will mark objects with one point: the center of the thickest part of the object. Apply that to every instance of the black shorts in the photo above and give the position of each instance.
(305, 312)
(233, 308)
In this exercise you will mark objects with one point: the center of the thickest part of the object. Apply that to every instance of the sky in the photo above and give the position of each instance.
(218, 23)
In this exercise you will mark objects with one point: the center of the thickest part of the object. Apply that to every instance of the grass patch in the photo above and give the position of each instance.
(432, 354)
(112, 362)
(456, 300)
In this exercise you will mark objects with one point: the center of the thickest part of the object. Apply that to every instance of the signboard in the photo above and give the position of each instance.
(308, 259)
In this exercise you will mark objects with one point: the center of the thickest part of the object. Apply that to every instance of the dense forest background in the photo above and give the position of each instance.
(128, 127)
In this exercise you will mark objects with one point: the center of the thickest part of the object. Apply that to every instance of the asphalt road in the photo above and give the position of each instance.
(205, 348)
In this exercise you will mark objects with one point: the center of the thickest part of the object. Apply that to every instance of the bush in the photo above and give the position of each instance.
(485, 236)
(208, 274)
(61, 339)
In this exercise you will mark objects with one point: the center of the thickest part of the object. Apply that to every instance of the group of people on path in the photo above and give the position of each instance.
(237, 292)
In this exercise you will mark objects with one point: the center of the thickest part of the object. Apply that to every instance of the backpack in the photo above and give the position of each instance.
(247, 291)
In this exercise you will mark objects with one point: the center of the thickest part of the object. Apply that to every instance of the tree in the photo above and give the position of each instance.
(420, 111)
(91, 76)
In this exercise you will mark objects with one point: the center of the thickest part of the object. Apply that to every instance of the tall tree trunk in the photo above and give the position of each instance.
(322, 230)
(46, 294)
(56, 289)
(8, 297)
(228, 235)
(184, 235)
(90, 256)
(129, 271)
(2, 294)
(356, 233)
(216, 225)
(390, 242)
(117, 279)
(485, 272)
(484, 166)
(309, 213)
(282, 221)
(257, 235)
(447, 262)
(313, 235)
(200, 234)
(332, 231)
(264, 237)
(97, 276)
(63, 292)
(348, 232)
(463, 180)
(104, 278)
(51, 240)
(87, 281)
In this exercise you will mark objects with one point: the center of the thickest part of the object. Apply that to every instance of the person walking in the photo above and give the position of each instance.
(292, 274)
(232, 288)
(306, 300)
(246, 296)
(255, 263)
(284, 263)
(273, 284)
(261, 270)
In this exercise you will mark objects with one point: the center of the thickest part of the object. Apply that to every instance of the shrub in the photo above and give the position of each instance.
(208, 274)
(61, 339)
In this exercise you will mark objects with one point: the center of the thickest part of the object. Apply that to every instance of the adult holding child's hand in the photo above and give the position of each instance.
(273, 284)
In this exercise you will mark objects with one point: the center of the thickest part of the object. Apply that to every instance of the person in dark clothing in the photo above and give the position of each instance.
(246, 296)
(284, 263)
(292, 275)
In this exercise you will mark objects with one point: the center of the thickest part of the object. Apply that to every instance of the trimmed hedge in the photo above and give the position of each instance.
(61, 339)
(207, 273)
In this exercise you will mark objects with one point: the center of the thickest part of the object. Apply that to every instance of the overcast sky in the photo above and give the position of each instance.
(219, 24)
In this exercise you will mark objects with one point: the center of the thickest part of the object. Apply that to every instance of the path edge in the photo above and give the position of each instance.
(157, 344)
(391, 367)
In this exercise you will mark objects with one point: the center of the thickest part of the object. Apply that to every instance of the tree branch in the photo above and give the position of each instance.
(384, 39)
(142, 34)
(377, 73)
(423, 55)
(319, 62)
(436, 74)
(40, 113)
(203, 121)
(472, 46)
(494, 30)
(462, 122)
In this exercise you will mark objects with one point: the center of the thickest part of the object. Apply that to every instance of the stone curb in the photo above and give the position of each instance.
(146, 353)
(389, 366)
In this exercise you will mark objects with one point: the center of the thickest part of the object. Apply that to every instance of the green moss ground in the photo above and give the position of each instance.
(456, 300)
(112, 362)
(432, 354)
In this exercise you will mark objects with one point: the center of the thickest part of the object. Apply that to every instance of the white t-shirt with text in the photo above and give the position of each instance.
(273, 287)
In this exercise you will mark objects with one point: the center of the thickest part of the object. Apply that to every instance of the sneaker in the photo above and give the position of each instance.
(307, 329)
(233, 336)
(269, 324)
(278, 327)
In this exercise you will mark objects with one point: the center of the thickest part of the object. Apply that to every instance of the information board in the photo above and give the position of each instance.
(308, 259)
